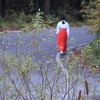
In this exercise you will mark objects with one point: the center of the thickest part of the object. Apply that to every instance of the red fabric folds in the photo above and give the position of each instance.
(62, 38)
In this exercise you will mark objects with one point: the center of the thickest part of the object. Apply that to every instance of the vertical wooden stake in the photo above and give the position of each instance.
(86, 85)
(79, 95)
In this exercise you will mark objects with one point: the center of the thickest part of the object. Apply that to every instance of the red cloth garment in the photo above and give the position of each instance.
(62, 31)
(62, 38)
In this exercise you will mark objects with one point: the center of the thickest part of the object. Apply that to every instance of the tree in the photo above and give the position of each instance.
(3, 7)
(92, 11)
(74, 3)
(64, 2)
(36, 5)
(0, 7)
(46, 7)
(92, 51)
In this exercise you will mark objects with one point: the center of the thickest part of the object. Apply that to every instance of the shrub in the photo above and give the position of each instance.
(92, 13)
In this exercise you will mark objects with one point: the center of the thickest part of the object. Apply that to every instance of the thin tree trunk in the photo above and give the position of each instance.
(36, 5)
(3, 7)
(46, 7)
(64, 2)
(74, 2)
(0, 7)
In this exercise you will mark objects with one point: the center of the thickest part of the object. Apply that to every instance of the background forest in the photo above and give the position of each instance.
(16, 13)
(31, 6)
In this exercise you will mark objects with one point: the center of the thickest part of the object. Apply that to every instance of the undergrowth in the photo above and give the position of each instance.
(87, 56)
(19, 21)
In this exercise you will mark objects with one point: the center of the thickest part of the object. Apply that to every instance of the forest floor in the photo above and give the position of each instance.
(12, 28)
(15, 27)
